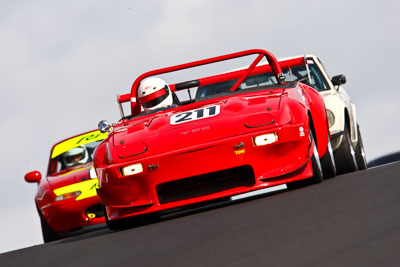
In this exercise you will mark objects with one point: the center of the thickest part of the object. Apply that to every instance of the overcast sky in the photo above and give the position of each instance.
(63, 62)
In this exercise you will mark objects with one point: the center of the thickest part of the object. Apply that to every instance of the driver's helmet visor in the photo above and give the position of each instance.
(73, 158)
(155, 98)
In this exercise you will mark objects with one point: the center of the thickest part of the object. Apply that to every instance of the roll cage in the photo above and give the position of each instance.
(239, 75)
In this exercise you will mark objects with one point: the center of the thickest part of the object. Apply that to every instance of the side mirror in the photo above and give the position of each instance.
(33, 177)
(338, 79)
(104, 126)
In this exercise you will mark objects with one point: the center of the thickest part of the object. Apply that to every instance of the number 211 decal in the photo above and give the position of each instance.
(195, 114)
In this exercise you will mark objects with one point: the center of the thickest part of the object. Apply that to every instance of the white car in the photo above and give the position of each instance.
(346, 138)
(346, 143)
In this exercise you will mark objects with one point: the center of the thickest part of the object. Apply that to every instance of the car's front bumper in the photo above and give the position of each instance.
(71, 214)
(208, 171)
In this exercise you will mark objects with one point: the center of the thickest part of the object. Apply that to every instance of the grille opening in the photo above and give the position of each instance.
(205, 184)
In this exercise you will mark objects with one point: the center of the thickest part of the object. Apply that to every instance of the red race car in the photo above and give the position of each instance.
(66, 199)
(236, 132)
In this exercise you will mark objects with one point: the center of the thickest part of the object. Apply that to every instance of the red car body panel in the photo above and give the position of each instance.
(213, 157)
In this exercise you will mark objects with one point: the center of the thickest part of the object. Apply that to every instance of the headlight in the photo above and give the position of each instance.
(265, 139)
(132, 169)
(68, 195)
(331, 118)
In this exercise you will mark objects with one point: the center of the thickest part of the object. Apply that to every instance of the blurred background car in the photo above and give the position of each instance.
(345, 132)
(346, 140)
(66, 198)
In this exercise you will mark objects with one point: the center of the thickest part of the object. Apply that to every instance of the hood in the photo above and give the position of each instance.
(71, 176)
(194, 124)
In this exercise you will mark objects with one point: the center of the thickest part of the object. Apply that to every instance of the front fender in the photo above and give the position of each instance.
(340, 105)
(319, 119)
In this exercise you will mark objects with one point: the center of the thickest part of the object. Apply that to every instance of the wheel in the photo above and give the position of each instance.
(113, 225)
(328, 162)
(315, 162)
(360, 153)
(47, 232)
(316, 167)
(345, 156)
(130, 221)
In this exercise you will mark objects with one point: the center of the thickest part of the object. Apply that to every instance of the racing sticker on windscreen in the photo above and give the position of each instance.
(195, 114)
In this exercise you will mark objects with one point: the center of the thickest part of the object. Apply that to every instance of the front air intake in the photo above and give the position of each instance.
(205, 184)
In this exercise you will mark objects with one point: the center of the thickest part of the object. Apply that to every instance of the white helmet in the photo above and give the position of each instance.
(76, 156)
(154, 93)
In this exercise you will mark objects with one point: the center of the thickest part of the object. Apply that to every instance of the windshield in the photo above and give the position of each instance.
(73, 157)
(251, 82)
(297, 73)
(75, 151)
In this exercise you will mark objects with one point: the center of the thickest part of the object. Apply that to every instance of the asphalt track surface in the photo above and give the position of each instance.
(351, 220)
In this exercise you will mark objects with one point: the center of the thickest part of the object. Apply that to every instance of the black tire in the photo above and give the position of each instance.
(47, 232)
(130, 222)
(315, 162)
(345, 156)
(328, 162)
(316, 166)
(113, 225)
(360, 153)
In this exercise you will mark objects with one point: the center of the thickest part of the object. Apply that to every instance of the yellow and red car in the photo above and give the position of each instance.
(66, 198)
